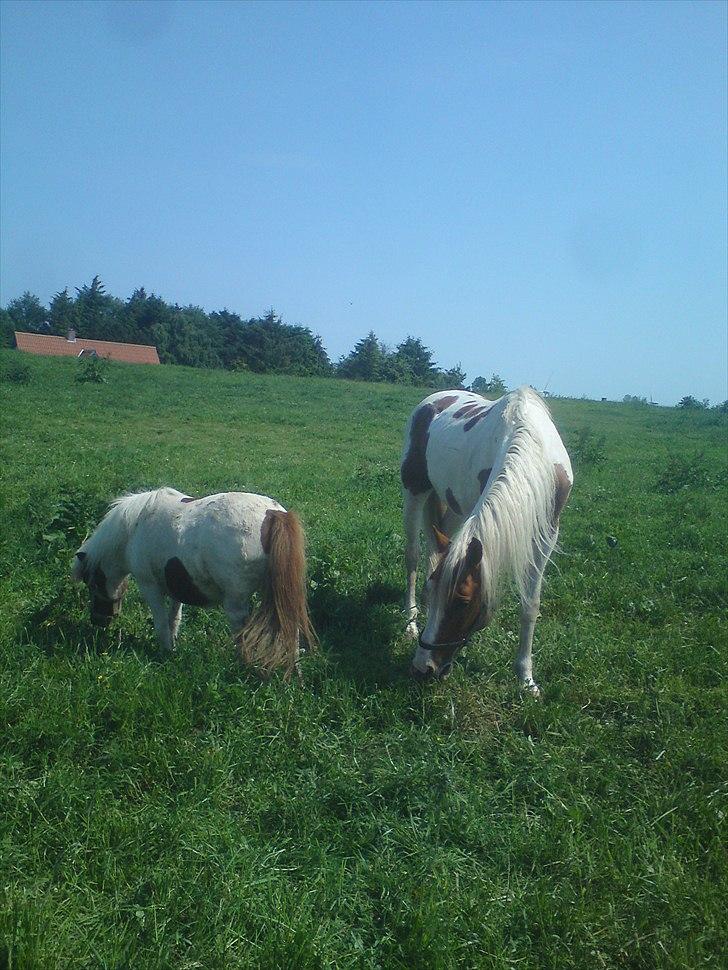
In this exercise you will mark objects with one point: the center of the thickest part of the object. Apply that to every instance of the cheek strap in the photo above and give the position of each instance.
(452, 645)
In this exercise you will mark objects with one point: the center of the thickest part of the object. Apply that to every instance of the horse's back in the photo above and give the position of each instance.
(217, 537)
(454, 440)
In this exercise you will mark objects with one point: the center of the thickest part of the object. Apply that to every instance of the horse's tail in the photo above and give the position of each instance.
(269, 639)
(517, 521)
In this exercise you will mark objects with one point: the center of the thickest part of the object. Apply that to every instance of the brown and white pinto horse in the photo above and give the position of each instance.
(494, 476)
(208, 551)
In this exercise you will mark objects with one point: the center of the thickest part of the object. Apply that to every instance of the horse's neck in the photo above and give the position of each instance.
(110, 541)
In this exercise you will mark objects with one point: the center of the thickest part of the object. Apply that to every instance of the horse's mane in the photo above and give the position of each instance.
(121, 516)
(514, 517)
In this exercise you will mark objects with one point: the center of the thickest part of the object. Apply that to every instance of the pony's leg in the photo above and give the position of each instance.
(175, 617)
(237, 613)
(413, 509)
(530, 605)
(156, 601)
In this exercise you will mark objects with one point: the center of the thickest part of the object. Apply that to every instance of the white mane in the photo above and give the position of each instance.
(514, 517)
(123, 514)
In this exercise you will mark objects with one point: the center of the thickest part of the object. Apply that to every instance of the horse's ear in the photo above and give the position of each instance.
(474, 554)
(78, 567)
(443, 543)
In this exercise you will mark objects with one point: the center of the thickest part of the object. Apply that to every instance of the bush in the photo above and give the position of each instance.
(16, 372)
(691, 403)
(92, 370)
(682, 472)
(587, 448)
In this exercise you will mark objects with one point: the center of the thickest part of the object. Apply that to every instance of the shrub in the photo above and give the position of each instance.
(16, 372)
(92, 370)
(586, 448)
(682, 472)
(691, 403)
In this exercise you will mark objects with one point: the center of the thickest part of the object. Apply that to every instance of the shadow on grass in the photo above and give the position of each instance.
(359, 632)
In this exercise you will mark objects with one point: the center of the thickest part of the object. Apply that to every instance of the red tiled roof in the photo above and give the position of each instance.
(41, 343)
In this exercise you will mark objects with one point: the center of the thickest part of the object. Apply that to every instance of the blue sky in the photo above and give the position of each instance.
(536, 189)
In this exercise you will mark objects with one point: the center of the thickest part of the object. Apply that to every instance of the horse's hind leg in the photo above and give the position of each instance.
(413, 509)
(530, 605)
(175, 618)
(237, 613)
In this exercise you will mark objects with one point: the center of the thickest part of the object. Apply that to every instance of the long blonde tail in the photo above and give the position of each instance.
(269, 639)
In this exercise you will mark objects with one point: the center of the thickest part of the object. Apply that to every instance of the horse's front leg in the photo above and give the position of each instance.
(530, 605)
(174, 618)
(155, 599)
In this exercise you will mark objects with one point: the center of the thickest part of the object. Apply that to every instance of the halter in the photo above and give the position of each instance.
(455, 645)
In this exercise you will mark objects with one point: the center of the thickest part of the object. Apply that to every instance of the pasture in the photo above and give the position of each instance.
(178, 812)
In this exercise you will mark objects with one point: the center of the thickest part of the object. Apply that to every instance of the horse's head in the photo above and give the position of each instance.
(107, 592)
(456, 609)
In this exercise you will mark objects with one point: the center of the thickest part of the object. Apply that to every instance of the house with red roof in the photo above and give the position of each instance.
(73, 346)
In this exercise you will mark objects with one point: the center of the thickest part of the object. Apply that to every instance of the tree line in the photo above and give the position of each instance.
(188, 335)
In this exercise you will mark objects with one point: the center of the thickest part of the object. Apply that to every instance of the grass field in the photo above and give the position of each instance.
(176, 812)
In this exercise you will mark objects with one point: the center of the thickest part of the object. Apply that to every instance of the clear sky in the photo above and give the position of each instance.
(536, 189)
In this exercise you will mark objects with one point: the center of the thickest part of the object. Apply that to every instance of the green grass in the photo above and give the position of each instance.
(177, 812)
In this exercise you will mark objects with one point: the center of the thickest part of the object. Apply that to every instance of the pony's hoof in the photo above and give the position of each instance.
(532, 688)
(411, 631)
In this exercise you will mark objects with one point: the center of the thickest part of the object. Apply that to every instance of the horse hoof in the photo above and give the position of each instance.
(533, 690)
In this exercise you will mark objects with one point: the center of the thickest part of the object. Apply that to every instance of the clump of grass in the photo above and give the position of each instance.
(587, 448)
(682, 472)
(16, 372)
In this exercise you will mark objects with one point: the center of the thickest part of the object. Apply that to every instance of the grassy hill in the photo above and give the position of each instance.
(176, 812)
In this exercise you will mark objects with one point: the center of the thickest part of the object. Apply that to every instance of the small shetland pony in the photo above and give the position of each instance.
(204, 552)
(494, 476)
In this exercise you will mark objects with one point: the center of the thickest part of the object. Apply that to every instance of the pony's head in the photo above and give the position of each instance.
(456, 608)
(106, 586)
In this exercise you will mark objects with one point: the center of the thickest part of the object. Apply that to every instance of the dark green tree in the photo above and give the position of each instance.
(415, 358)
(366, 362)
(99, 316)
(27, 312)
(690, 403)
(62, 313)
(7, 329)
(494, 387)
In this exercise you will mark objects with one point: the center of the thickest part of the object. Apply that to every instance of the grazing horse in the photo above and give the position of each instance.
(488, 479)
(204, 552)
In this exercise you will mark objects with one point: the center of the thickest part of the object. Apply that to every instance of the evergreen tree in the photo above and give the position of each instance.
(417, 359)
(62, 313)
(365, 362)
(98, 315)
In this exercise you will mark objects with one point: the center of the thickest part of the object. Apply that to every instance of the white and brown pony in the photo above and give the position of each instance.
(488, 480)
(205, 552)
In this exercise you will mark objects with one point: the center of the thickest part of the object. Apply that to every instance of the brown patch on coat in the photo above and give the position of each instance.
(474, 418)
(563, 487)
(483, 476)
(444, 402)
(453, 502)
(413, 472)
(181, 585)
(414, 467)
(466, 409)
